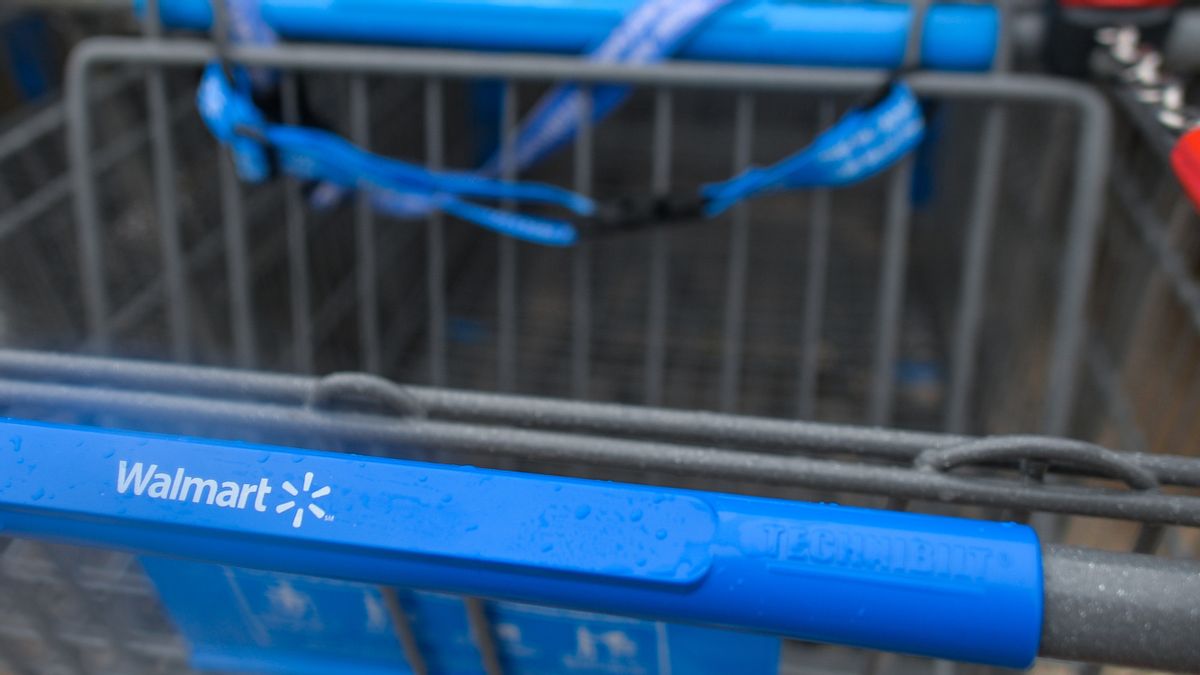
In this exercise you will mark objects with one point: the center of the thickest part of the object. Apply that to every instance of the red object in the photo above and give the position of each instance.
(1186, 160)
(1118, 4)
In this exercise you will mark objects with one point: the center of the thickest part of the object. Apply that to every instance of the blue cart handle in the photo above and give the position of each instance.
(940, 587)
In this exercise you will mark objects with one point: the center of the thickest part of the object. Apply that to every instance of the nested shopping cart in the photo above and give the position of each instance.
(947, 413)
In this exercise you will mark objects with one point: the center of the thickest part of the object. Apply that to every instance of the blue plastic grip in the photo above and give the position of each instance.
(941, 587)
(866, 34)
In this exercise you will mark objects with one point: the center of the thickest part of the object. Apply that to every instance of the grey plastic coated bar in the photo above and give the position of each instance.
(234, 417)
(581, 260)
(506, 288)
(365, 246)
(299, 293)
(660, 259)
(1123, 609)
(734, 329)
(888, 313)
(694, 427)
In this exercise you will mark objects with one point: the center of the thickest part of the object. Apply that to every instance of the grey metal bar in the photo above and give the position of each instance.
(94, 614)
(299, 292)
(895, 253)
(366, 262)
(241, 306)
(241, 302)
(343, 298)
(87, 206)
(814, 285)
(739, 254)
(506, 346)
(36, 613)
(404, 632)
(18, 135)
(1092, 159)
(81, 638)
(656, 319)
(436, 238)
(1178, 357)
(581, 260)
(233, 418)
(974, 273)
(891, 295)
(481, 633)
(1120, 410)
(1177, 437)
(1153, 232)
(177, 301)
(691, 427)
(57, 189)
(150, 296)
(390, 60)
(1121, 609)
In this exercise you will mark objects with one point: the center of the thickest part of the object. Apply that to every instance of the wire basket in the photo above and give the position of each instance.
(1004, 282)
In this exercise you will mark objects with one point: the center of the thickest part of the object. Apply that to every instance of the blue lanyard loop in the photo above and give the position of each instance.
(314, 154)
(863, 143)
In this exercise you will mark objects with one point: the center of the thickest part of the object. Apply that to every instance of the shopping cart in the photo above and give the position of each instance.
(918, 345)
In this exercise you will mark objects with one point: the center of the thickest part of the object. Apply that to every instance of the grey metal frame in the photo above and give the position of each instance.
(1092, 156)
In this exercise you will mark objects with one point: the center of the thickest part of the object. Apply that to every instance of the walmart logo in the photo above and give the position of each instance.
(312, 508)
(143, 480)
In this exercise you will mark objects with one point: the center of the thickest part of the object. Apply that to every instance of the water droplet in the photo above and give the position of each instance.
(558, 488)
(472, 528)
(636, 515)
(109, 453)
(547, 548)
(660, 535)
(262, 459)
(16, 443)
(38, 494)
(446, 499)
(658, 499)
(297, 459)
(20, 460)
(641, 562)
(582, 511)
(422, 479)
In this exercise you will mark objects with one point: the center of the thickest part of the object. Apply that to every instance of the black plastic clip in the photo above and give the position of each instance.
(640, 212)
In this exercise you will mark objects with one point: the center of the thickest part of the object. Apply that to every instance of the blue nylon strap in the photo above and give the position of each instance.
(226, 106)
(246, 26)
(649, 34)
(861, 145)
(313, 154)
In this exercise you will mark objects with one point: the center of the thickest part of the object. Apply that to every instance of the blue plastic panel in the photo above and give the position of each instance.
(944, 587)
(864, 34)
(247, 620)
